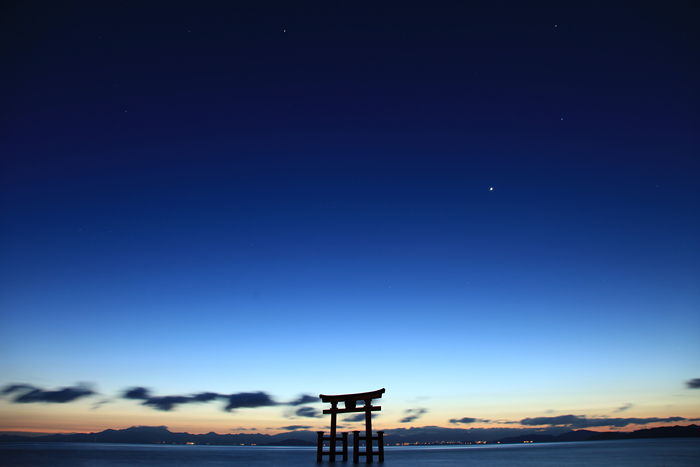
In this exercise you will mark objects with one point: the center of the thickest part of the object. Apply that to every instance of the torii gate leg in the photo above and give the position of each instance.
(368, 429)
(331, 457)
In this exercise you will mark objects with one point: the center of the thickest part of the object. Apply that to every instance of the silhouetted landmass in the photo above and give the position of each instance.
(429, 435)
(442, 435)
(160, 435)
(690, 431)
(17, 438)
(31, 434)
(578, 435)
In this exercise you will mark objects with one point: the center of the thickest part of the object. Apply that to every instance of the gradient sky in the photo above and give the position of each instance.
(490, 209)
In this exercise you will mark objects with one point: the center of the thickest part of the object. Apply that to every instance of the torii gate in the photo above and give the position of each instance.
(350, 401)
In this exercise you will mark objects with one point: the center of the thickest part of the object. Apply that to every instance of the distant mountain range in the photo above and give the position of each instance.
(691, 431)
(578, 435)
(161, 435)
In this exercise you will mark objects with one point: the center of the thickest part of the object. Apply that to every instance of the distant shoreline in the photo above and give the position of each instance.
(161, 435)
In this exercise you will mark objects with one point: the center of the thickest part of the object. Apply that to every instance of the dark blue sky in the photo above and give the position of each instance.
(504, 181)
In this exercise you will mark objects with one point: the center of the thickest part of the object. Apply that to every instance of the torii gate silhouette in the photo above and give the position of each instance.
(350, 401)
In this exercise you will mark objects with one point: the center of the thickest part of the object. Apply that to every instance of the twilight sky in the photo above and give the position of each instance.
(490, 209)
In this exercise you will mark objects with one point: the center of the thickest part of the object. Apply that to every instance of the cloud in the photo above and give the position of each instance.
(16, 387)
(248, 400)
(29, 394)
(412, 414)
(623, 408)
(99, 404)
(467, 420)
(693, 383)
(553, 421)
(309, 412)
(355, 418)
(205, 397)
(464, 420)
(305, 399)
(136, 393)
(295, 427)
(167, 403)
(581, 421)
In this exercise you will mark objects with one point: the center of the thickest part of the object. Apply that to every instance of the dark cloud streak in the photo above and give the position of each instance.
(309, 412)
(137, 393)
(623, 408)
(581, 421)
(305, 399)
(17, 387)
(693, 383)
(167, 403)
(355, 418)
(465, 420)
(31, 394)
(412, 414)
(248, 400)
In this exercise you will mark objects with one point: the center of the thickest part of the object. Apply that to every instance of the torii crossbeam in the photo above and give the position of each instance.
(350, 401)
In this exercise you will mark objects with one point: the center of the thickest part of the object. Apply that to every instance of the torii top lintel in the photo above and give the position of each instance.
(351, 401)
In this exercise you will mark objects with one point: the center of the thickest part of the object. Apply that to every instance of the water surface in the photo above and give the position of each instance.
(683, 452)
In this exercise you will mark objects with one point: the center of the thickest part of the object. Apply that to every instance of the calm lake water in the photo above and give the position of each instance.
(638, 453)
